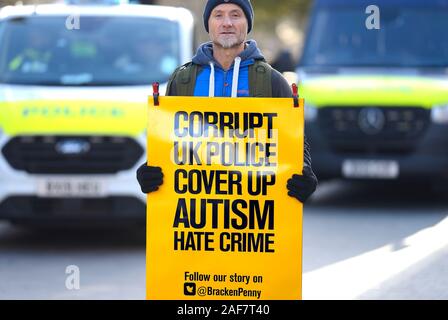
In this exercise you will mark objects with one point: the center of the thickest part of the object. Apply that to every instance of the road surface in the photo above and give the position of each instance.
(360, 242)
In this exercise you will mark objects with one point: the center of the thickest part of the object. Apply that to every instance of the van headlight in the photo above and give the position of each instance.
(439, 114)
(310, 112)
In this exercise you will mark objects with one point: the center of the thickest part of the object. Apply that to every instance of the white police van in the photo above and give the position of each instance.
(74, 84)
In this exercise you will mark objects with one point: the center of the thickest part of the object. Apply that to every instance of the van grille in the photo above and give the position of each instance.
(72, 154)
(400, 130)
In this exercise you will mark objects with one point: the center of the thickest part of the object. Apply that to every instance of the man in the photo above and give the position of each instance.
(230, 66)
(36, 57)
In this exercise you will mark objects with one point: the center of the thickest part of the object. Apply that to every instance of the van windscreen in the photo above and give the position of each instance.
(89, 51)
(407, 37)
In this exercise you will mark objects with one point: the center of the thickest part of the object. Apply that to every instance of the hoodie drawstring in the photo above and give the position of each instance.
(211, 86)
(236, 75)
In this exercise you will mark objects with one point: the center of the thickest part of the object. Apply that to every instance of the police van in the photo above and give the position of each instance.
(375, 81)
(74, 85)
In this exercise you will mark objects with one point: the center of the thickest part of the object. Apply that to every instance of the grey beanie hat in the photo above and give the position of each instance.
(245, 5)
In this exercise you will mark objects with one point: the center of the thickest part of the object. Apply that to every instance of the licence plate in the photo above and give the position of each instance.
(370, 169)
(70, 188)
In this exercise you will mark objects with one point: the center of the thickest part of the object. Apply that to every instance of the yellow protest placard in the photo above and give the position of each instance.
(222, 227)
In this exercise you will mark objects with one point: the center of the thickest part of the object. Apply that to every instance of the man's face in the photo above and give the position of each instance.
(227, 26)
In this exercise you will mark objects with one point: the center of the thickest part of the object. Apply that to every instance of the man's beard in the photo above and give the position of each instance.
(228, 43)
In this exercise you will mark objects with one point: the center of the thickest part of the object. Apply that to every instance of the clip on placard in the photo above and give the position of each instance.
(295, 95)
(155, 93)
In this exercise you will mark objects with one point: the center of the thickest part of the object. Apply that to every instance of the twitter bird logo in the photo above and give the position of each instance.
(190, 289)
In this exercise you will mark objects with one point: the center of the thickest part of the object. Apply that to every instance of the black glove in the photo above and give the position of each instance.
(302, 186)
(149, 178)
